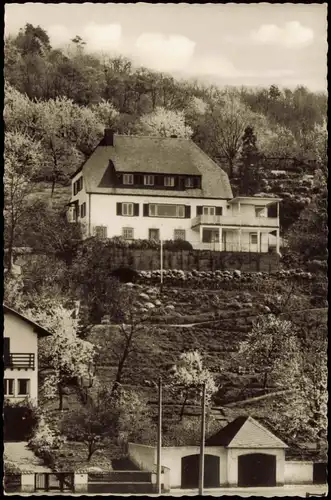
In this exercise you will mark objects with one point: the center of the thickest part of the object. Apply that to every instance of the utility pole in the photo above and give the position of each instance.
(159, 440)
(161, 261)
(202, 442)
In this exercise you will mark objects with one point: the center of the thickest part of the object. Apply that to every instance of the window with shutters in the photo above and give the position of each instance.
(127, 209)
(128, 179)
(189, 182)
(23, 387)
(83, 210)
(209, 210)
(78, 185)
(128, 233)
(161, 210)
(179, 234)
(169, 181)
(9, 386)
(101, 232)
(149, 180)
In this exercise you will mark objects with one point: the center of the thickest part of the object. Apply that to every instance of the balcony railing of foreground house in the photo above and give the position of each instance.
(235, 220)
(232, 247)
(19, 361)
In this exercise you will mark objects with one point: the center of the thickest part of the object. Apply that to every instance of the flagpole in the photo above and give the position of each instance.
(202, 441)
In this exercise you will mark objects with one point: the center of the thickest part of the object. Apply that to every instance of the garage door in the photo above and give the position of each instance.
(190, 471)
(257, 469)
(320, 473)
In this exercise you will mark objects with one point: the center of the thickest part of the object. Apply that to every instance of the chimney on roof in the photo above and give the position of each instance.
(109, 137)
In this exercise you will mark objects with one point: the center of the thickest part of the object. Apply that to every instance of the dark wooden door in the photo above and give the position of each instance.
(190, 471)
(320, 473)
(257, 469)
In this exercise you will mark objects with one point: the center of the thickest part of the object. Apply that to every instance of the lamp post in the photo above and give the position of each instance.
(202, 441)
(161, 262)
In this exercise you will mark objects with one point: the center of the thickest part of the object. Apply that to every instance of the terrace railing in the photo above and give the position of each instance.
(23, 361)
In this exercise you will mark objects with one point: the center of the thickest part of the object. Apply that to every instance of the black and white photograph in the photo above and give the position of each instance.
(165, 249)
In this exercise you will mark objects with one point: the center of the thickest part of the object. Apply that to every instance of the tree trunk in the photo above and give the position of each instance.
(265, 381)
(183, 408)
(10, 247)
(60, 397)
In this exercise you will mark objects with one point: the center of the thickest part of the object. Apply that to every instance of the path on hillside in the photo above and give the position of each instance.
(19, 454)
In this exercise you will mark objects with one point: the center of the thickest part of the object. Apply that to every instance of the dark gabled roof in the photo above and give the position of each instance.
(41, 332)
(166, 155)
(225, 435)
(245, 432)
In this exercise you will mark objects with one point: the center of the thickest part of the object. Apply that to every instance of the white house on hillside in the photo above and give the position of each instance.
(167, 188)
(20, 344)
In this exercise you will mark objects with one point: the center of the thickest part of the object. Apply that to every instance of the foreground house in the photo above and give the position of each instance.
(20, 355)
(242, 454)
(167, 188)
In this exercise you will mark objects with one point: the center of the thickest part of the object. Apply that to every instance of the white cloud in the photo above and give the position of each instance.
(102, 37)
(98, 37)
(59, 35)
(213, 66)
(164, 53)
(292, 34)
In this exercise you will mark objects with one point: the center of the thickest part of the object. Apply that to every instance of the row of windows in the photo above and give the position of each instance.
(19, 387)
(78, 185)
(167, 181)
(164, 210)
(128, 233)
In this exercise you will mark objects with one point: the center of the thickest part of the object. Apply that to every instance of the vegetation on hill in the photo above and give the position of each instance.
(59, 101)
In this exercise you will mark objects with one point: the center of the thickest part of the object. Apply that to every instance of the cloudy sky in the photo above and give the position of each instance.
(231, 44)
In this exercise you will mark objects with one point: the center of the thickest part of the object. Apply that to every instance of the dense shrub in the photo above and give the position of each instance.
(125, 274)
(45, 442)
(20, 420)
(175, 245)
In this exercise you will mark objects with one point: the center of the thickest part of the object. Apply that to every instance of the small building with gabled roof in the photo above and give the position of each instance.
(20, 348)
(243, 453)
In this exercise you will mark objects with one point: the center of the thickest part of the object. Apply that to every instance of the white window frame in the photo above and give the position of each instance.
(148, 180)
(158, 232)
(207, 210)
(250, 239)
(28, 387)
(128, 179)
(180, 210)
(125, 234)
(127, 209)
(169, 181)
(7, 385)
(189, 182)
(103, 228)
(182, 231)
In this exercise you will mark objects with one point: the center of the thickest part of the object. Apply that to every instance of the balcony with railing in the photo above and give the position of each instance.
(240, 220)
(20, 361)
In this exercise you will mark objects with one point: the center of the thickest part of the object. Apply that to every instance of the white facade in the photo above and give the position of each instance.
(243, 226)
(21, 369)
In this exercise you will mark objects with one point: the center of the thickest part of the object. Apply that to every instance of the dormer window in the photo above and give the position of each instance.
(128, 179)
(169, 181)
(189, 182)
(149, 180)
